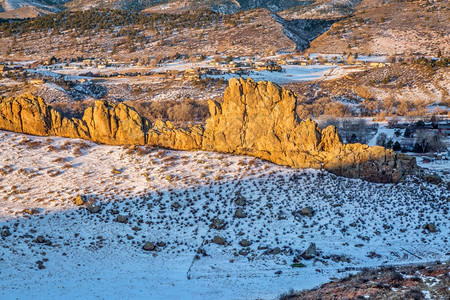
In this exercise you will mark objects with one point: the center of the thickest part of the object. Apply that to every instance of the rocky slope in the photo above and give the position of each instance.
(396, 28)
(256, 119)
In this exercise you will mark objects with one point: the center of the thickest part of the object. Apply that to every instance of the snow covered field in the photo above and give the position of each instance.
(50, 248)
(294, 73)
(290, 73)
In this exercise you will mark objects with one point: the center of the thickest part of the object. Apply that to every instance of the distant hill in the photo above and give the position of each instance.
(24, 13)
(418, 28)
(51, 5)
(310, 9)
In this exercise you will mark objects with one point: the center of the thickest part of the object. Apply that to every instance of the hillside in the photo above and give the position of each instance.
(24, 13)
(173, 6)
(8, 5)
(129, 36)
(400, 89)
(52, 248)
(397, 28)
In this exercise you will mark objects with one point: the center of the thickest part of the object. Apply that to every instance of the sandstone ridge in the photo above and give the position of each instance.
(256, 119)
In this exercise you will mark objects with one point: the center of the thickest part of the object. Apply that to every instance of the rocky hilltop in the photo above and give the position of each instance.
(256, 119)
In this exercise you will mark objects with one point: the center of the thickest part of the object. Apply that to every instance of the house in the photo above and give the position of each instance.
(427, 159)
(444, 129)
(213, 71)
(268, 66)
(37, 81)
(192, 74)
(87, 61)
(233, 64)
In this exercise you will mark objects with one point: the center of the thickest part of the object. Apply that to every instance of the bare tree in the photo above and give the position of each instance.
(381, 139)
(427, 140)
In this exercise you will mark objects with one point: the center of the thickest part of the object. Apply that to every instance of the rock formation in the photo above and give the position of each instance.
(259, 119)
(256, 119)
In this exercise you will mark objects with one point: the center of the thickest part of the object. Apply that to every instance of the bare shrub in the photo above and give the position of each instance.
(72, 110)
(187, 110)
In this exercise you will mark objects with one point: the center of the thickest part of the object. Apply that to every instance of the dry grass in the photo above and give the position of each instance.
(400, 27)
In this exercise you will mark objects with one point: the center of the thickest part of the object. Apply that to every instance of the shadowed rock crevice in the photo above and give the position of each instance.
(256, 119)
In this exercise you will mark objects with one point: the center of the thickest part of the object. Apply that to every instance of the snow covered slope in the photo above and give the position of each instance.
(8, 5)
(50, 248)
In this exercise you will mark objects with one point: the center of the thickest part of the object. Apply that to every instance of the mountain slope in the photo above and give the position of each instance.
(417, 27)
(294, 8)
(8, 5)
(24, 13)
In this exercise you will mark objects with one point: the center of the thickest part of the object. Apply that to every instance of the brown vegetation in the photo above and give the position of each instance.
(408, 282)
(400, 27)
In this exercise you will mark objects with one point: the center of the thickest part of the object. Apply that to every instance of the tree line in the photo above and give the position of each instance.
(101, 20)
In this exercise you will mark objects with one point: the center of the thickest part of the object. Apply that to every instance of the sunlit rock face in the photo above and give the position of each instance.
(259, 119)
(256, 119)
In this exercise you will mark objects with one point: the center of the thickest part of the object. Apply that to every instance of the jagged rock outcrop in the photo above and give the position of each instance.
(26, 113)
(105, 123)
(165, 134)
(257, 119)
(115, 124)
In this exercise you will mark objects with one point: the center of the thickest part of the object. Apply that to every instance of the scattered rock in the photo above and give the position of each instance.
(201, 251)
(244, 252)
(30, 211)
(149, 246)
(431, 227)
(40, 239)
(340, 258)
(40, 264)
(92, 207)
(373, 255)
(240, 201)
(218, 240)
(218, 224)
(240, 213)
(310, 252)
(5, 233)
(161, 244)
(282, 216)
(79, 200)
(431, 178)
(116, 171)
(275, 251)
(307, 211)
(245, 243)
(121, 219)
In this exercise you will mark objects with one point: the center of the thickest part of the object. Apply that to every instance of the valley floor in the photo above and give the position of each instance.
(51, 248)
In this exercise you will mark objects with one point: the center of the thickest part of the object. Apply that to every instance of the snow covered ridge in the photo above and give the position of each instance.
(256, 119)
(176, 201)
